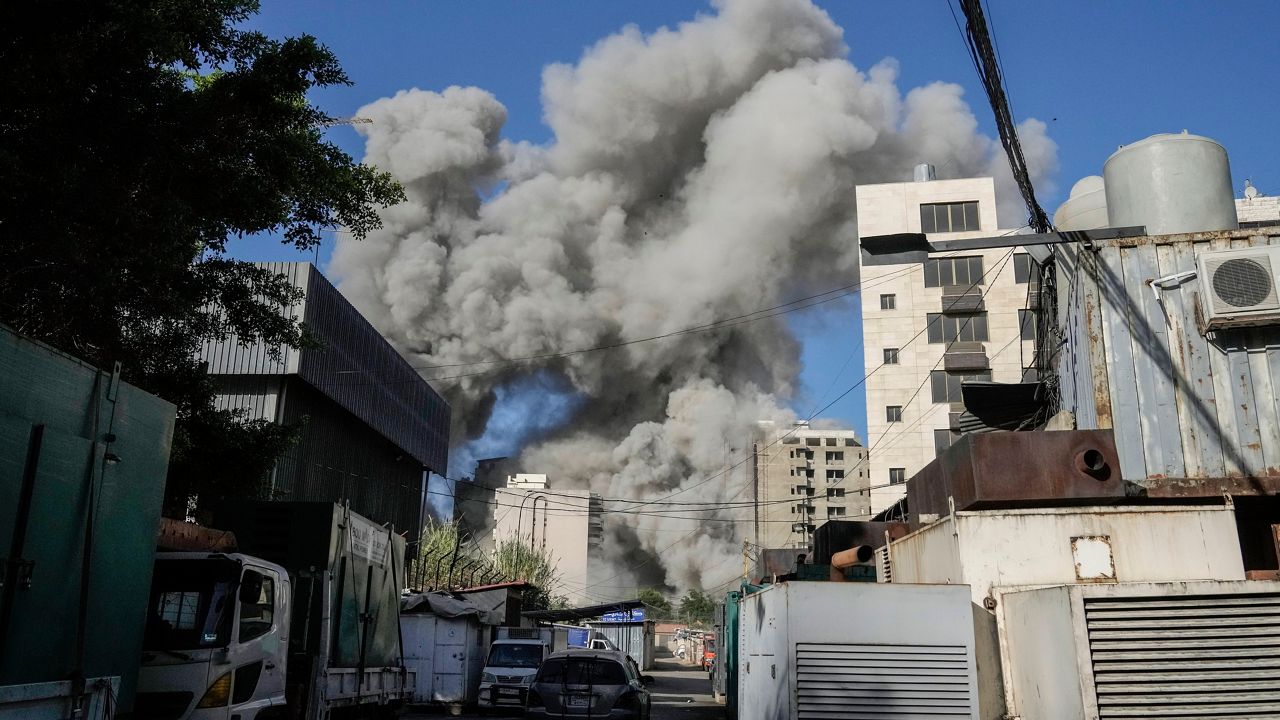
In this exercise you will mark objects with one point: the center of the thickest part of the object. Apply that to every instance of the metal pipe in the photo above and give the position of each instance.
(853, 556)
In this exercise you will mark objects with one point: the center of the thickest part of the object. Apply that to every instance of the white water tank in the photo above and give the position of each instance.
(924, 172)
(1086, 208)
(1171, 183)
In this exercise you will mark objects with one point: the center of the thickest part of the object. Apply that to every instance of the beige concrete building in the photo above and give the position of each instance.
(803, 477)
(568, 524)
(929, 326)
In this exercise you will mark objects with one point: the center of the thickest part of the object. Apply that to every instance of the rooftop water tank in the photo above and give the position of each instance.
(1086, 208)
(924, 173)
(1171, 184)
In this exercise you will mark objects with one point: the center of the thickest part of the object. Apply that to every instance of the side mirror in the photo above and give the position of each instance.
(648, 680)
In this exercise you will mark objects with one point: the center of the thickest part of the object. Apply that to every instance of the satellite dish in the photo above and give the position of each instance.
(1250, 191)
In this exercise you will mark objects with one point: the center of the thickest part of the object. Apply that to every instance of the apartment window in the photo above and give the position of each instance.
(835, 456)
(889, 302)
(946, 385)
(831, 442)
(949, 217)
(835, 512)
(1027, 324)
(893, 413)
(897, 476)
(943, 439)
(835, 475)
(1024, 268)
(963, 271)
(957, 328)
(891, 356)
(835, 492)
(848, 442)
(813, 442)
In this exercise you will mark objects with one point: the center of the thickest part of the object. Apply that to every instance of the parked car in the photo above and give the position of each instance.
(589, 683)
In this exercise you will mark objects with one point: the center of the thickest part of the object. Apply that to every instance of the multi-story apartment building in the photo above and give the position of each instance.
(568, 525)
(803, 477)
(930, 326)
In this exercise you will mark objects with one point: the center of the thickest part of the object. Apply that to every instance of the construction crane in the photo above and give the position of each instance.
(346, 121)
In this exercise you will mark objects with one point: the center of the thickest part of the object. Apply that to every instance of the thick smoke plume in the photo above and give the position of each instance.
(696, 174)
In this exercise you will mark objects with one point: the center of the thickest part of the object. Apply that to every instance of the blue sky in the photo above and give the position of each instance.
(1101, 74)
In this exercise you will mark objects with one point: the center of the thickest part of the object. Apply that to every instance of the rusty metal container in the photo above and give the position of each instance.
(1018, 470)
(832, 537)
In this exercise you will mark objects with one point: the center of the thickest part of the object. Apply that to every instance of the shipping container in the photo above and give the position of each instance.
(856, 650)
(447, 655)
(632, 638)
(1172, 650)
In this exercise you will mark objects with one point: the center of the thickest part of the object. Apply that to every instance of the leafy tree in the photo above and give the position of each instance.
(697, 608)
(659, 607)
(443, 556)
(537, 567)
(137, 137)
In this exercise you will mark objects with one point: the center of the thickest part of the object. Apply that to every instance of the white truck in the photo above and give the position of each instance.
(305, 626)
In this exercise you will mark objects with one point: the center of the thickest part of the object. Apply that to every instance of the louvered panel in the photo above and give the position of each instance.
(882, 681)
(1189, 657)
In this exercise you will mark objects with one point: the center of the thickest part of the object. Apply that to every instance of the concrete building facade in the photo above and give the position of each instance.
(803, 477)
(929, 327)
(567, 524)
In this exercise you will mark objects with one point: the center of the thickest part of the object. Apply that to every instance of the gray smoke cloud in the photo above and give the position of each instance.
(696, 173)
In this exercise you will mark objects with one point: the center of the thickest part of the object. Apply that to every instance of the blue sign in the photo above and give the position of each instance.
(578, 637)
(634, 615)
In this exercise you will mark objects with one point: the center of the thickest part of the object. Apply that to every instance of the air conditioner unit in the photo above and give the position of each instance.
(1239, 287)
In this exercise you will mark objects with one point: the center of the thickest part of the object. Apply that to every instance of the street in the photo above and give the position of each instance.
(682, 691)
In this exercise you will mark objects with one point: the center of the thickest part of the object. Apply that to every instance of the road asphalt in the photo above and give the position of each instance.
(682, 691)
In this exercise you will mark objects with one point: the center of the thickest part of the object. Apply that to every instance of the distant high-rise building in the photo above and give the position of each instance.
(803, 477)
(930, 326)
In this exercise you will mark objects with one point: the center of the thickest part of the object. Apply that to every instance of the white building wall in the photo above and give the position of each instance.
(894, 208)
(782, 465)
(557, 521)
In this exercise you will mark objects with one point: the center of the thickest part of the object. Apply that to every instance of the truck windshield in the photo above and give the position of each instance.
(191, 604)
(510, 655)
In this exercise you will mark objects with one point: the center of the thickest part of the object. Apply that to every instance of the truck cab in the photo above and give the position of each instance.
(216, 638)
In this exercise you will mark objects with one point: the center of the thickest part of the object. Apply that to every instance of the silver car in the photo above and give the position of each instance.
(594, 683)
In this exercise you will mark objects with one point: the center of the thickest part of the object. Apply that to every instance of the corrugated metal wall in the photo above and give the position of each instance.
(360, 370)
(354, 366)
(229, 357)
(1182, 405)
(340, 457)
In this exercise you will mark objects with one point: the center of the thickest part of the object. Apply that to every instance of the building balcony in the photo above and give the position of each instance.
(962, 298)
(966, 356)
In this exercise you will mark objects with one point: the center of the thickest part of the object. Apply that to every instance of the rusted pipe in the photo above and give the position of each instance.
(853, 556)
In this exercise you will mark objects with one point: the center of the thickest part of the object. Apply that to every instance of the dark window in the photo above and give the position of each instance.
(946, 385)
(888, 302)
(831, 442)
(512, 655)
(834, 456)
(957, 328)
(1024, 268)
(848, 442)
(891, 356)
(246, 681)
(1027, 324)
(258, 609)
(835, 474)
(581, 671)
(192, 604)
(949, 217)
(893, 413)
(835, 492)
(943, 272)
(897, 476)
(813, 442)
(835, 511)
(943, 439)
